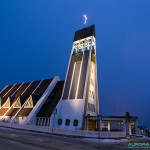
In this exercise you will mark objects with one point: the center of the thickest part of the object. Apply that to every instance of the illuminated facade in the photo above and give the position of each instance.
(24, 103)
(80, 93)
(76, 98)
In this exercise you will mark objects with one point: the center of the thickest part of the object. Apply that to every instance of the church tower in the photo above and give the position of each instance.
(80, 93)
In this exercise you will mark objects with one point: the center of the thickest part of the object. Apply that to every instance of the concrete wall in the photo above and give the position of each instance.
(69, 109)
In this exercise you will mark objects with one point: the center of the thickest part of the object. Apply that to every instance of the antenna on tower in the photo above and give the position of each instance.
(85, 17)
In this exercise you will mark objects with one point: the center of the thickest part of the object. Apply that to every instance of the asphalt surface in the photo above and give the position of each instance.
(11, 139)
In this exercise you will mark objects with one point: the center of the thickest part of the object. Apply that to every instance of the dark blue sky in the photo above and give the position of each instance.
(36, 40)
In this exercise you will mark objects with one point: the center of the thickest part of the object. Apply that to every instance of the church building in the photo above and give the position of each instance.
(72, 104)
(74, 98)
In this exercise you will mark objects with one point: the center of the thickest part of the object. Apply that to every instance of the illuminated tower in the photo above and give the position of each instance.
(80, 93)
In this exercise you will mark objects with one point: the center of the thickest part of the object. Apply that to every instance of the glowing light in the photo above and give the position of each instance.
(85, 17)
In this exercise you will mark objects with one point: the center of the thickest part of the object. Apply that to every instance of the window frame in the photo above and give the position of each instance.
(67, 122)
(75, 123)
(59, 120)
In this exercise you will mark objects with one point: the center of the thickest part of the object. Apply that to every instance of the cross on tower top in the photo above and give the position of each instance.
(85, 17)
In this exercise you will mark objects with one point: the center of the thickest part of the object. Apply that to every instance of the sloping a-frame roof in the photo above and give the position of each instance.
(52, 101)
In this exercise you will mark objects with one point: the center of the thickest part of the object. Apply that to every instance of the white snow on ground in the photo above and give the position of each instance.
(84, 139)
(105, 140)
(114, 141)
(144, 137)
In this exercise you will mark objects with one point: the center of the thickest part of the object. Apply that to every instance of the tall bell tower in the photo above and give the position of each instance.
(80, 93)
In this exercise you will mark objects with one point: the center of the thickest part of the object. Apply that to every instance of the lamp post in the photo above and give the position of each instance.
(128, 119)
(54, 112)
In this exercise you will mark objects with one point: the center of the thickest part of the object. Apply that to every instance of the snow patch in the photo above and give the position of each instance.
(106, 140)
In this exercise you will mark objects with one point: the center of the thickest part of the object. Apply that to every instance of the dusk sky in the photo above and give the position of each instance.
(36, 38)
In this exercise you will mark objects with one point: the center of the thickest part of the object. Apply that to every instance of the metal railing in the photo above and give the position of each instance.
(43, 121)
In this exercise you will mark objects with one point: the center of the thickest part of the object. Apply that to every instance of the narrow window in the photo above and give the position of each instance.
(75, 122)
(59, 121)
(67, 122)
(90, 93)
(93, 95)
(93, 47)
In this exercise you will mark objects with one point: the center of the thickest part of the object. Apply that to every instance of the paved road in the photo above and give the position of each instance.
(6, 144)
(11, 139)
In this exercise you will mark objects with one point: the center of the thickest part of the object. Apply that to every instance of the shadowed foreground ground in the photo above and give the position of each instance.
(11, 139)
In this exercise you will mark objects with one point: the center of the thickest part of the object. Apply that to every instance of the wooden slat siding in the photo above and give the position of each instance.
(12, 112)
(3, 111)
(26, 88)
(37, 87)
(16, 95)
(31, 88)
(9, 94)
(19, 92)
(28, 92)
(12, 90)
(52, 101)
(9, 90)
(24, 112)
(43, 86)
(37, 93)
(5, 91)
(3, 101)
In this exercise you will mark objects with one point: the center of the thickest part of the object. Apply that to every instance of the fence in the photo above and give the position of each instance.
(79, 133)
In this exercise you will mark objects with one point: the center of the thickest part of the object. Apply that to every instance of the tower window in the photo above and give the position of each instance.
(92, 47)
(91, 107)
(93, 51)
(74, 51)
(75, 122)
(93, 94)
(59, 121)
(67, 122)
(90, 93)
(80, 50)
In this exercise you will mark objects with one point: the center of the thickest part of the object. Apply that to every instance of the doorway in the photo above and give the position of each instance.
(92, 125)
